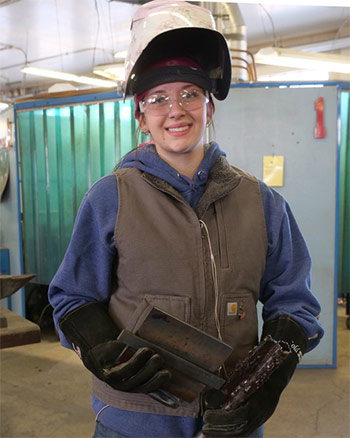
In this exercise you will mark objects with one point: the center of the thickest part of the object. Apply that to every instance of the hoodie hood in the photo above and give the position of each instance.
(147, 160)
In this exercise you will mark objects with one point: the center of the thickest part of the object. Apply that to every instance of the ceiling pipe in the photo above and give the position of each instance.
(229, 21)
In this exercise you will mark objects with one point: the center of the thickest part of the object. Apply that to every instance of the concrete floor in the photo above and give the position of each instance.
(45, 392)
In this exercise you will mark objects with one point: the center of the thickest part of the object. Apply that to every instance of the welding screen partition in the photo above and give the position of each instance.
(63, 151)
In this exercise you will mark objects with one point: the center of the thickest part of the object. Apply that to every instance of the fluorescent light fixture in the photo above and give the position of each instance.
(121, 54)
(336, 3)
(325, 46)
(115, 72)
(303, 60)
(3, 106)
(296, 75)
(68, 77)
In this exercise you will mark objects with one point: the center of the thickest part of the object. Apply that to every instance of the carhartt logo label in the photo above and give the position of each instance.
(232, 309)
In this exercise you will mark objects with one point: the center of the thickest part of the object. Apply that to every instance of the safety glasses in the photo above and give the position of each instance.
(160, 104)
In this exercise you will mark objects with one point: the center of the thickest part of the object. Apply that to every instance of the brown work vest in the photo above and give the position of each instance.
(164, 258)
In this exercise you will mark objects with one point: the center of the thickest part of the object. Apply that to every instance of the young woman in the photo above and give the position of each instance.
(178, 227)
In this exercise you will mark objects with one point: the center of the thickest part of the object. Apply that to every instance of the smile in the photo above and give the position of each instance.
(179, 129)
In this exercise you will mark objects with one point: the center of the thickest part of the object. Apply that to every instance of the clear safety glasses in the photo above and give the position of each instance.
(160, 104)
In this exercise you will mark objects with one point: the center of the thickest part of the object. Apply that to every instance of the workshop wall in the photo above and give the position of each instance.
(281, 135)
(10, 237)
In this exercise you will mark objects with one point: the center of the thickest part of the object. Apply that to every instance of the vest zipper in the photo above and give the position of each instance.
(205, 234)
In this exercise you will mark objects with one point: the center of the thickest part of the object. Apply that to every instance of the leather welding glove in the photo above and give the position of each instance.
(245, 419)
(93, 335)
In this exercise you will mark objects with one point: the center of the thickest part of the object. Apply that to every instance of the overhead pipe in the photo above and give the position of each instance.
(229, 21)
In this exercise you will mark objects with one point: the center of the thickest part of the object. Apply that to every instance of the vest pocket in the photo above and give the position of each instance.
(178, 306)
(239, 322)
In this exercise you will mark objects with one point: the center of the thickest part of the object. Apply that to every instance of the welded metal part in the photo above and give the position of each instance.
(184, 340)
(248, 375)
(192, 356)
(251, 373)
(174, 361)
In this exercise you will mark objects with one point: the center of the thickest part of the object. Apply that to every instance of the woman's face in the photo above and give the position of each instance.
(177, 130)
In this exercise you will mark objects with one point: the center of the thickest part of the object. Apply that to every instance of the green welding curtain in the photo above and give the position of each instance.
(63, 151)
(344, 198)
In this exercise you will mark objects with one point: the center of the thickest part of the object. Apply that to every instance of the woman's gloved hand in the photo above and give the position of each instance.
(143, 372)
(93, 335)
(242, 421)
(245, 419)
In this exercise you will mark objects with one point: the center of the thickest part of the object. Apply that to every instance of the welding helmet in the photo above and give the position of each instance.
(162, 28)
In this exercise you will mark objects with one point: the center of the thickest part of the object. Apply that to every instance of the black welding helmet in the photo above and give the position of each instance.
(170, 29)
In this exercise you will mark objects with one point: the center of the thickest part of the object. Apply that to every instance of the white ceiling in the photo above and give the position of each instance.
(75, 35)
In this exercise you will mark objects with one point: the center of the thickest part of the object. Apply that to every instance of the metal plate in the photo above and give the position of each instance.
(174, 361)
(184, 340)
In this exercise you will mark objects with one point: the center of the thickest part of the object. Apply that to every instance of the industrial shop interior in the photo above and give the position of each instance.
(72, 113)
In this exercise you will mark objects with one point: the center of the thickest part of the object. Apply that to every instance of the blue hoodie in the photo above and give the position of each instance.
(86, 270)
